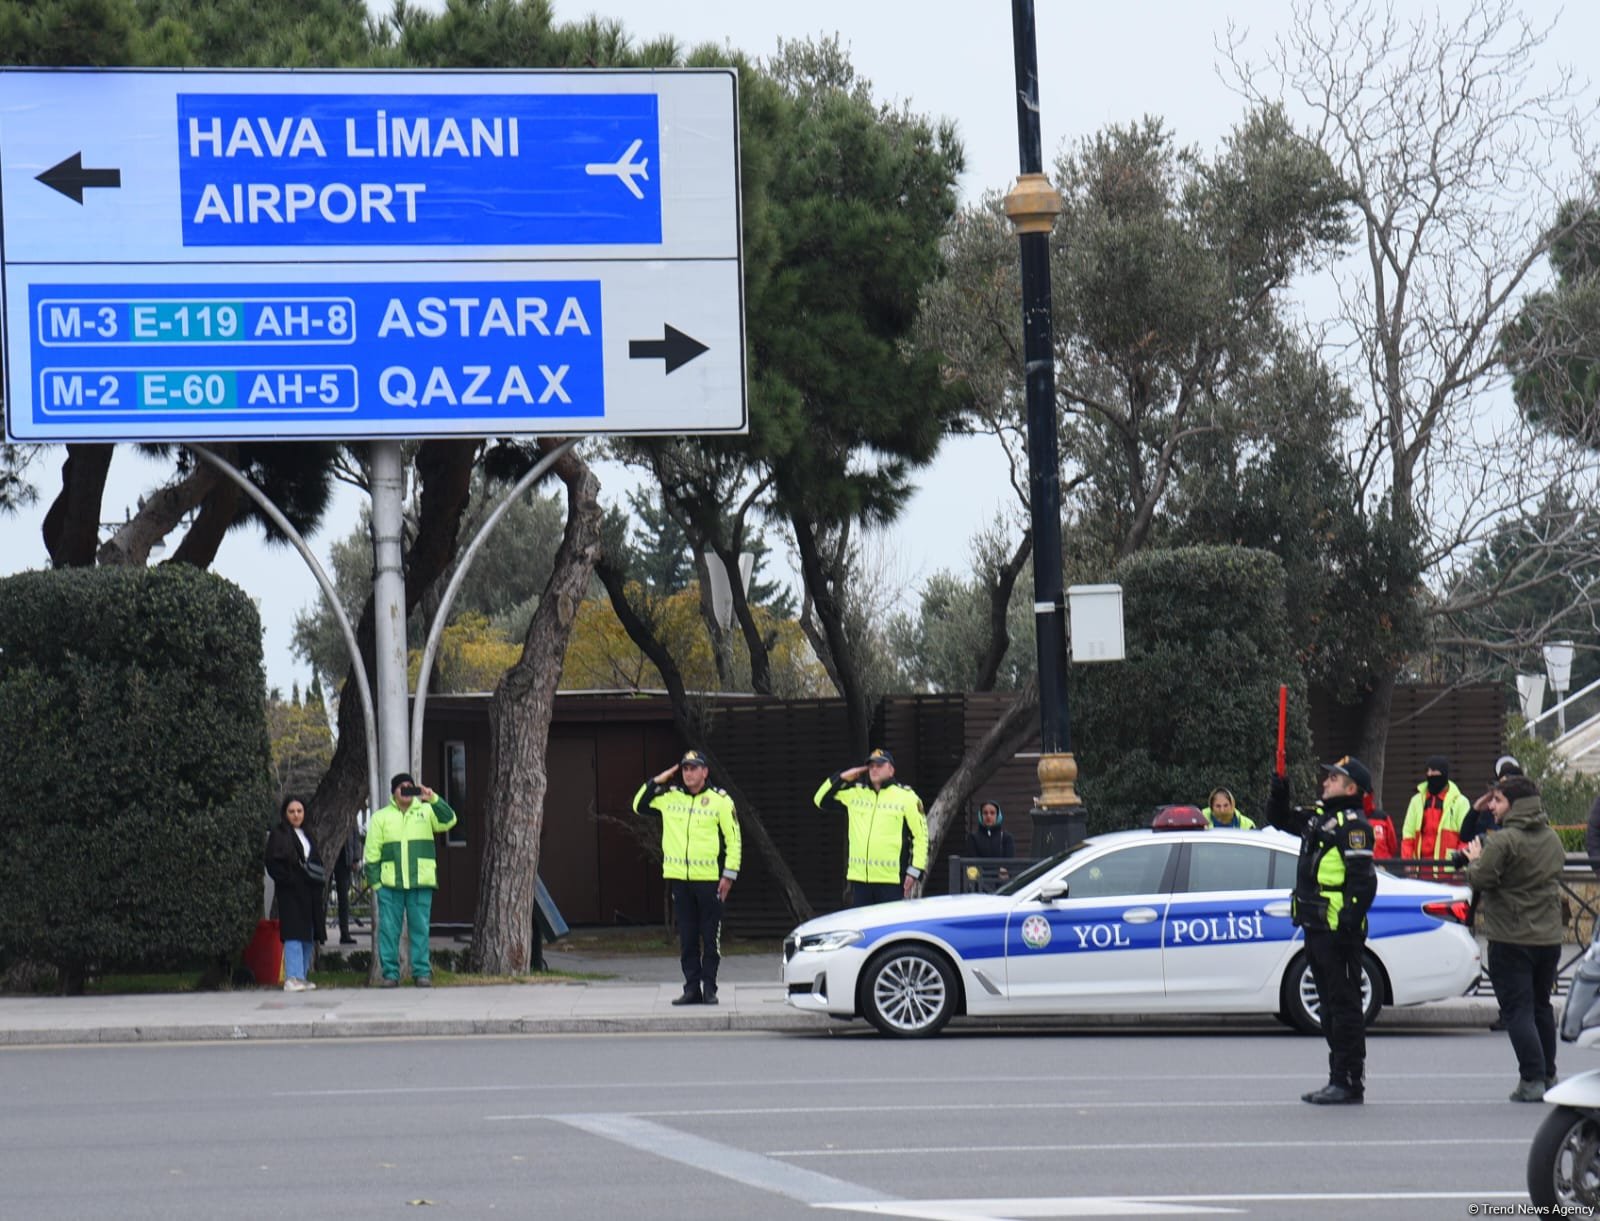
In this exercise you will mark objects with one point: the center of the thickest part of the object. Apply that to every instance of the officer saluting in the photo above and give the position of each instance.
(881, 810)
(693, 815)
(1333, 890)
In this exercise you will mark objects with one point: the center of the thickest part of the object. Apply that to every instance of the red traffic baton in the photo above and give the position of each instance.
(1283, 730)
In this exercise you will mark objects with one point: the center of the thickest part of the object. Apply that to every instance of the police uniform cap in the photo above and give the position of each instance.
(1352, 767)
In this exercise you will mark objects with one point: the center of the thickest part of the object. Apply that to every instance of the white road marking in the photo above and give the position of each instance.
(1080, 1079)
(1007, 1210)
(1142, 1146)
(742, 1166)
(991, 1107)
(1016, 1209)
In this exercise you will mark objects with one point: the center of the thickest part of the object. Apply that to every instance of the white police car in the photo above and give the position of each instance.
(1132, 922)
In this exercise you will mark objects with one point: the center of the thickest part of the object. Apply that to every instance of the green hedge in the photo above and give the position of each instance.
(135, 768)
(1195, 705)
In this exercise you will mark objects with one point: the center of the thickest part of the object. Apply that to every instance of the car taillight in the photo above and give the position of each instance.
(1447, 909)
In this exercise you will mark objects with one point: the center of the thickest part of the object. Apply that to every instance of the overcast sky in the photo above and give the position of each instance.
(951, 58)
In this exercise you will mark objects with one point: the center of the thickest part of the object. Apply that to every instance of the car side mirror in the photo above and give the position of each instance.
(1056, 890)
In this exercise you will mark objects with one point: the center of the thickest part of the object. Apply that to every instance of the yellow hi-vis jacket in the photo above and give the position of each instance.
(877, 821)
(400, 844)
(690, 826)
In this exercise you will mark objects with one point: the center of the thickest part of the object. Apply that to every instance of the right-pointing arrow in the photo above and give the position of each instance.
(676, 348)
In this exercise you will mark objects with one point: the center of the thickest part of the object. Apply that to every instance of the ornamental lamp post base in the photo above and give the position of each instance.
(1060, 821)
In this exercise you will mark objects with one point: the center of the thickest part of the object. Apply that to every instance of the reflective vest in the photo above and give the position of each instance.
(878, 818)
(1425, 838)
(400, 844)
(1335, 880)
(691, 824)
(1239, 823)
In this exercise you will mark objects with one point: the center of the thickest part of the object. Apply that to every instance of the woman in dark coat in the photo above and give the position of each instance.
(294, 866)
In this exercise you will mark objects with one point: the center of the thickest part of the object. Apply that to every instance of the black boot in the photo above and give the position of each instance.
(691, 995)
(708, 994)
(1334, 1094)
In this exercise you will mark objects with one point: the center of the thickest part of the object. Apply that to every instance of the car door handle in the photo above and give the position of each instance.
(1278, 907)
(1139, 915)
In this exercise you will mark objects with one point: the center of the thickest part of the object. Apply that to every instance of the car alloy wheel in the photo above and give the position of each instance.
(910, 992)
(1303, 1007)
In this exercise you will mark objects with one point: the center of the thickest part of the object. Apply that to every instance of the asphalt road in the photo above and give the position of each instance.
(735, 1126)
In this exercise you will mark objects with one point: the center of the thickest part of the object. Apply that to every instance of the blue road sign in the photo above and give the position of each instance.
(308, 169)
(379, 353)
(271, 255)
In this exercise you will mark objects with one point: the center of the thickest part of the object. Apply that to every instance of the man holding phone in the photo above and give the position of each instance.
(401, 865)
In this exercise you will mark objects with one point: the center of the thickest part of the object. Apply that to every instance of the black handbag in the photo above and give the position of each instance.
(316, 872)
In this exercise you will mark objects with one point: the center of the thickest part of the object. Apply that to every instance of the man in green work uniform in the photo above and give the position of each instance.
(880, 811)
(400, 862)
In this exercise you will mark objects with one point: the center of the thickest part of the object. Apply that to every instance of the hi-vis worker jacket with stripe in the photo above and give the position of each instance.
(400, 844)
(690, 825)
(1420, 841)
(877, 819)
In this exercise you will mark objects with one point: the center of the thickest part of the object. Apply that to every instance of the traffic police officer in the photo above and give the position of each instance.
(880, 810)
(693, 815)
(1333, 891)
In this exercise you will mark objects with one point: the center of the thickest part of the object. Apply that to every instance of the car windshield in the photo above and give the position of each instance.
(1035, 870)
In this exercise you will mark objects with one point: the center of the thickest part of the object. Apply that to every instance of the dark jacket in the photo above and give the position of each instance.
(1477, 824)
(1517, 880)
(1335, 880)
(990, 841)
(300, 901)
(1591, 837)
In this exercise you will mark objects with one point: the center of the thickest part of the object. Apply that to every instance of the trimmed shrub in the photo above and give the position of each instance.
(135, 768)
(1195, 705)
(1565, 793)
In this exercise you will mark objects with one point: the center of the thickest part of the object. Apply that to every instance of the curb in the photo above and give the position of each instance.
(407, 1028)
(1467, 1014)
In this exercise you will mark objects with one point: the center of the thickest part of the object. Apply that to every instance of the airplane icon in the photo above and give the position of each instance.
(625, 169)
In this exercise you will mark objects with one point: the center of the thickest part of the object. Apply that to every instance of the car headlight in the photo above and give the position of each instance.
(830, 941)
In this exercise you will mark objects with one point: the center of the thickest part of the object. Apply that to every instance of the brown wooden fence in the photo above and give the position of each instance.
(601, 867)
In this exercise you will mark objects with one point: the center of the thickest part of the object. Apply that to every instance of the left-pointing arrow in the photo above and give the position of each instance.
(70, 178)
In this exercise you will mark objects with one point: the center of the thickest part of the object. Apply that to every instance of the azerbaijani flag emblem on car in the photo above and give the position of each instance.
(1036, 932)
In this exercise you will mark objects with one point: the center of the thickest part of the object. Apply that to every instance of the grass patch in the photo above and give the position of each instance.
(453, 979)
(178, 982)
(148, 982)
(651, 940)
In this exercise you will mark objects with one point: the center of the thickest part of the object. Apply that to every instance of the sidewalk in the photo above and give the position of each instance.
(632, 993)
(557, 1007)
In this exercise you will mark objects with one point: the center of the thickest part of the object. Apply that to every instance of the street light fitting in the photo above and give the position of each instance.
(1033, 204)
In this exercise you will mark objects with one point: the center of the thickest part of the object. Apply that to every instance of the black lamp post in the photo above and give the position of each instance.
(1032, 206)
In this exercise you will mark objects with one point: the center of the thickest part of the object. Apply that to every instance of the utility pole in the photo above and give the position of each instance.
(1032, 206)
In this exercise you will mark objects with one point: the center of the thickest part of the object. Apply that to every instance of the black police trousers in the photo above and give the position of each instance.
(699, 932)
(1336, 967)
(865, 894)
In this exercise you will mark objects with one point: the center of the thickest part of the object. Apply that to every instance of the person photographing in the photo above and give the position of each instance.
(1515, 875)
(401, 862)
